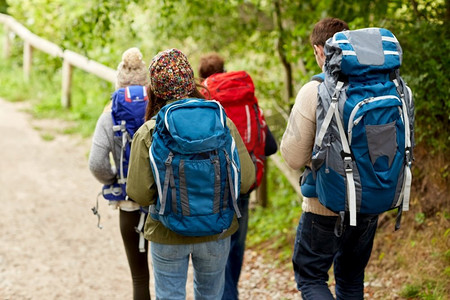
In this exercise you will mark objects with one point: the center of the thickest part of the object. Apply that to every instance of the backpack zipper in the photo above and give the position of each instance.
(190, 101)
(352, 122)
(328, 145)
(249, 125)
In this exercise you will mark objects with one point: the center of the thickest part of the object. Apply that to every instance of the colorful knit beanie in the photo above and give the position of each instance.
(171, 75)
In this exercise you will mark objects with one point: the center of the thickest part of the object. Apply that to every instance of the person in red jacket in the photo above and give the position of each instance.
(235, 91)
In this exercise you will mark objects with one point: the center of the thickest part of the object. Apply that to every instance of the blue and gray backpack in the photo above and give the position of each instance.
(196, 168)
(365, 123)
(128, 113)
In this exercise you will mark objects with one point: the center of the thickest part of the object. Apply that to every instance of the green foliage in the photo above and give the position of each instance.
(272, 229)
(3, 6)
(420, 218)
(89, 94)
(425, 70)
(257, 36)
(411, 291)
(90, 28)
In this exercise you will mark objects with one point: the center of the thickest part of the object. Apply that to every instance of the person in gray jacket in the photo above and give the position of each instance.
(131, 71)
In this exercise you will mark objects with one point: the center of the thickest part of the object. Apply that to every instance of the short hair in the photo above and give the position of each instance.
(325, 29)
(210, 64)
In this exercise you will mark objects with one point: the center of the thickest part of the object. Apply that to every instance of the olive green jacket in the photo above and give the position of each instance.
(141, 186)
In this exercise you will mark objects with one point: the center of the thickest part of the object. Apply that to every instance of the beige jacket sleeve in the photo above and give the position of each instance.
(298, 139)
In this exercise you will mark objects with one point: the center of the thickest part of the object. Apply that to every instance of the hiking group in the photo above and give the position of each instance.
(179, 158)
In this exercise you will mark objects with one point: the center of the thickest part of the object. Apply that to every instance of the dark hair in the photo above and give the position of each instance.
(210, 64)
(326, 28)
(156, 103)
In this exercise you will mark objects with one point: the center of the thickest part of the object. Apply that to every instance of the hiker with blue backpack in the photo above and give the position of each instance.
(113, 134)
(236, 92)
(189, 164)
(352, 128)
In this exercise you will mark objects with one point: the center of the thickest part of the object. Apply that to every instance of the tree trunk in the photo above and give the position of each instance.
(289, 89)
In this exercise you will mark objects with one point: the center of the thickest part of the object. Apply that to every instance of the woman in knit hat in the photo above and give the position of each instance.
(171, 79)
(130, 71)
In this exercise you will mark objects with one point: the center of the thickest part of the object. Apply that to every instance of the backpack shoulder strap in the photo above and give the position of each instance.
(318, 77)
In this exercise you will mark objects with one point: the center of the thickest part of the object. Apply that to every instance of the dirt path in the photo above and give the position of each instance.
(50, 246)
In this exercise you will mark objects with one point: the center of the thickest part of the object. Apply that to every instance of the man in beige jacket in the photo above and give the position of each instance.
(316, 246)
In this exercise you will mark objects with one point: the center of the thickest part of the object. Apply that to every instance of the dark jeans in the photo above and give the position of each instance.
(237, 248)
(138, 261)
(317, 248)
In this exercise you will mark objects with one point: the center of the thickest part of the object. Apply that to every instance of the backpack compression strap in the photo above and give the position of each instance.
(169, 178)
(141, 232)
(347, 155)
(406, 189)
(233, 191)
(125, 139)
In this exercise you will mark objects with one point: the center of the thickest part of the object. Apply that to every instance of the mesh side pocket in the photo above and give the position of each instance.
(382, 144)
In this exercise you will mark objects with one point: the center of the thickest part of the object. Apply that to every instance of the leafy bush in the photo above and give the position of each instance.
(272, 229)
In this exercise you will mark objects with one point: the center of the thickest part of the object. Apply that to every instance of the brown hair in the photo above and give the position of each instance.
(210, 64)
(326, 28)
(156, 103)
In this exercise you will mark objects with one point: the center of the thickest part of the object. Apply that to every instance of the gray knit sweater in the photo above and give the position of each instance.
(104, 144)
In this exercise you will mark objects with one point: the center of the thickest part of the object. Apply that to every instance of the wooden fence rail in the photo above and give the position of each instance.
(72, 59)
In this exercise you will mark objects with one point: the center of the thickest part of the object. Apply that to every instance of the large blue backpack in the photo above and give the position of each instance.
(365, 117)
(128, 114)
(196, 168)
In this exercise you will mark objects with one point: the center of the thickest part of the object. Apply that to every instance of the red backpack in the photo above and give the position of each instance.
(236, 92)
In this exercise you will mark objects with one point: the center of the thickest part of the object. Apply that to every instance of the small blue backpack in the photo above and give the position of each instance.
(128, 114)
(196, 168)
(362, 152)
(307, 181)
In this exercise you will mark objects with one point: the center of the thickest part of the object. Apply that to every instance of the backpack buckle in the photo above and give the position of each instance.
(408, 156)
(168, 161)
(337, 91)
(348, 164)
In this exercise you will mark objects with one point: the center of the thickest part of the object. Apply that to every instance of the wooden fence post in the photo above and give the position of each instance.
(291, 175)
(66, 84)
(27, 60)
(261, 191)
(6, 43)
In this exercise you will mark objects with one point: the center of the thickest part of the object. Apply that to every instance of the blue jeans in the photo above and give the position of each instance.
(237, 249)
(317, 248)
(170, 268)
